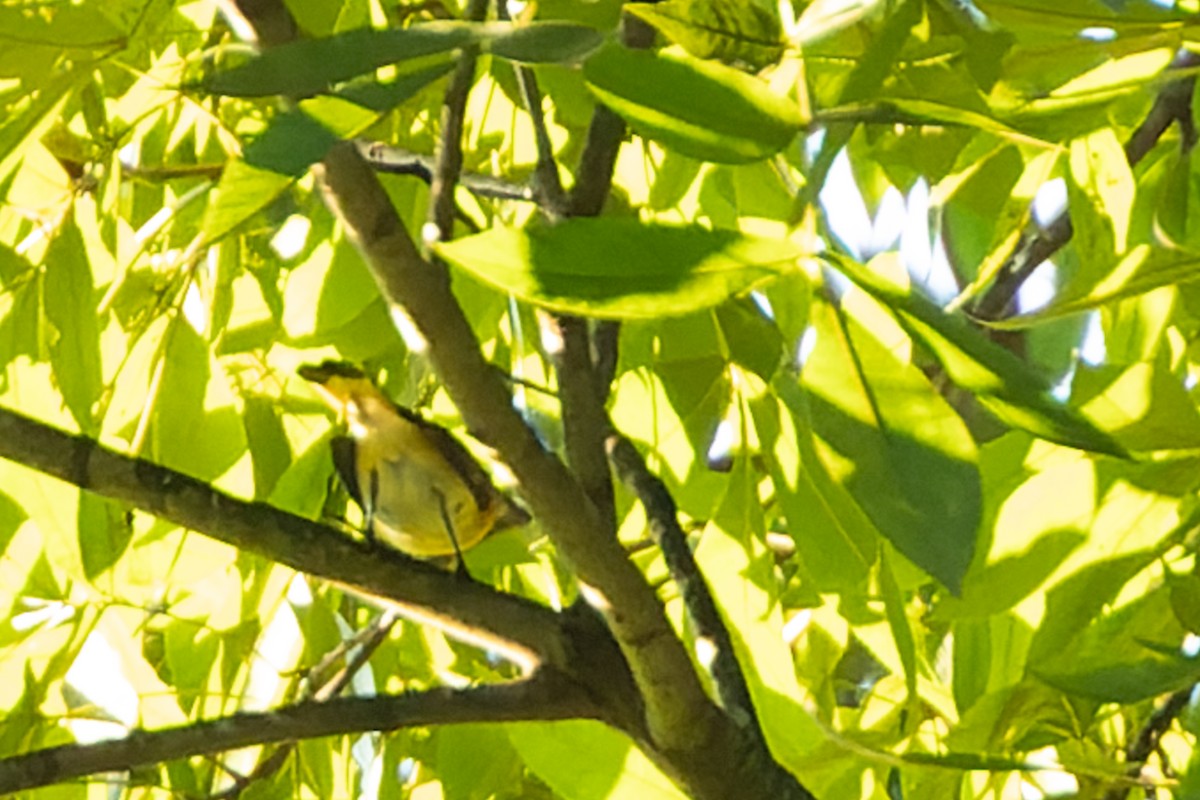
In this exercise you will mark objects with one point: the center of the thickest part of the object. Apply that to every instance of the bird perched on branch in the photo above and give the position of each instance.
(420, 490)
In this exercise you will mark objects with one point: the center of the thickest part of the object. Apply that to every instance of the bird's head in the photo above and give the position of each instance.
(347, 390)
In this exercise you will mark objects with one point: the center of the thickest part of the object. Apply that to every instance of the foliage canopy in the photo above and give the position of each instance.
(843, 351)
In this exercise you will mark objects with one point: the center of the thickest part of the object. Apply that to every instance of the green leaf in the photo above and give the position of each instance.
(751, 338)
(311, 66)
(386, 95)
(11, 517)
(1073, 603)
(104, 533)
(898, 622)
(1185, 599)
(729, 30)
(191, 651)
(613, 767)
(889, 437)
(1101, 189)
(549, 42)
(702, 109)
(292, 143)
(1007, 386)
(71, 309)
(620, 268)
(61, 25)
(989, 654)
(194, 426)
(740, 571)
(267, 440)
(1144, 268)
(23, 120)
(327, 291)
(1143, 406)
(1177, 196)
(834, 538)
(470, 756)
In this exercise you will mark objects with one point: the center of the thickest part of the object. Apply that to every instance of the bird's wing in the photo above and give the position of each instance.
(345, 461)
(457, 456)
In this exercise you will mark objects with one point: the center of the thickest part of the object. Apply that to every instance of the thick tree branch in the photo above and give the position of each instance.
(542, 696)
(1173, 104)
(677, 725)
(585, 421)
(517, 628)
(588, 359)
(677, 710)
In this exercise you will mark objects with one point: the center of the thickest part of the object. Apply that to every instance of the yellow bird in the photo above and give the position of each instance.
(420, 490)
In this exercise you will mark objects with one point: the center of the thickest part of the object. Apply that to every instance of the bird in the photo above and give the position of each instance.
(420, 489)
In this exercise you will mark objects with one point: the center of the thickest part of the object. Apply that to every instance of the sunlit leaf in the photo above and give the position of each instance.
(383, 95)
(733, 554)
(729, 30)
(702, 109)
(613, 768)
(620, 269)
(271, 163)
(1132, 654)
(1143, 407)
(887, 436)
(1006, 385)
(310, 66)
(834, 538)
(71, 309)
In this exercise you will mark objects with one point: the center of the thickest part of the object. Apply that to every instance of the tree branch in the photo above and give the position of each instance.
(541, 696)
(588, 359)
(585, 421)
(1173, 104)
(320, 689)
(448, 159)
(676, 708)
(1146, 742)
(398, 161)
(382, 158)
(517, 628)
(678, 726)
(685, 572)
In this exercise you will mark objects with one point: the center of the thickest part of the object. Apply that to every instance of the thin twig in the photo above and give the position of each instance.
(398, 161)
(448, 160)
(367, 641)
(1173, 104)
(547, 185)
(1146, 742)
(667, 533)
